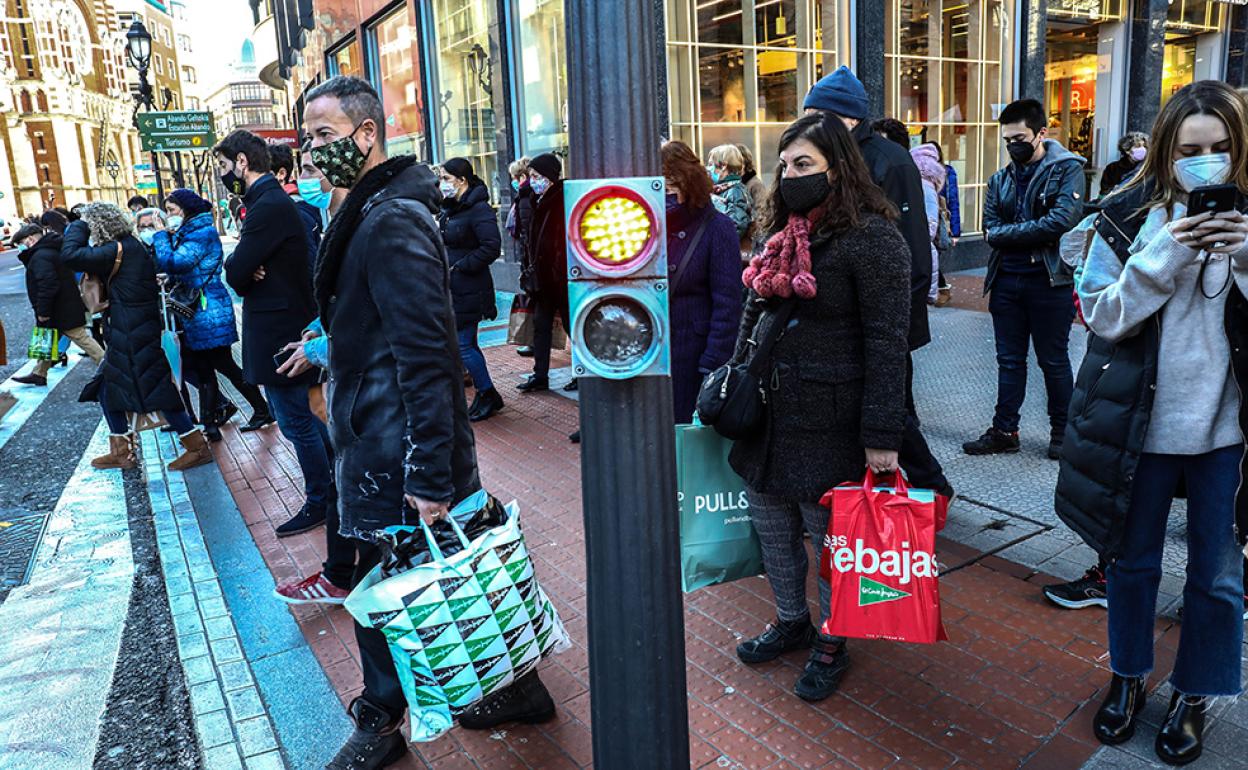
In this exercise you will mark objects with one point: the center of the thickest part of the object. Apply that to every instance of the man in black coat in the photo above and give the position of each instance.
(283, 165)
(53, 296)
(269, 270)
(396, 394)
(843, 95)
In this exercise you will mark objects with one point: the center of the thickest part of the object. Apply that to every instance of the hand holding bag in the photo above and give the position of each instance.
(879, 558)
(94, 289)
(733, 398)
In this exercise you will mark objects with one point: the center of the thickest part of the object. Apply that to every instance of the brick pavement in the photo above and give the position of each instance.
(1012, 687)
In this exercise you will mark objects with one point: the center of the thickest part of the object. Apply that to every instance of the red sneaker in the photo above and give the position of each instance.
(311, 590)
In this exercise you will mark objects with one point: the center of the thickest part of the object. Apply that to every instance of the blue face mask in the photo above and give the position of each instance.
(310, 190)
(515, 185)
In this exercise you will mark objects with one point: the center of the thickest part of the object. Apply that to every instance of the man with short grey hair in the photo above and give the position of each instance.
(397, 415)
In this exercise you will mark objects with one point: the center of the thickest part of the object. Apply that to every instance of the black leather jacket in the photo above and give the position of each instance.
(1055, 198)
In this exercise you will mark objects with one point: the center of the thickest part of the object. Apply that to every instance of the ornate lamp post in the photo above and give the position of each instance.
(139, 56)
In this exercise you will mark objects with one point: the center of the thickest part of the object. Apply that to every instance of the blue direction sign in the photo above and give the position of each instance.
(173, 131)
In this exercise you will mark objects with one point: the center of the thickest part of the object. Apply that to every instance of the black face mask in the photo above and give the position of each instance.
(234, 184)
(1021, 151)
(803, 193)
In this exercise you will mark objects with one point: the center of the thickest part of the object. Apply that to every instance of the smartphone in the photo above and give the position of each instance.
(1213, 199)
(281, 357)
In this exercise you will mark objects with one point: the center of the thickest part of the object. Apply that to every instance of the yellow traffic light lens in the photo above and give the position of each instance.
(615, 230)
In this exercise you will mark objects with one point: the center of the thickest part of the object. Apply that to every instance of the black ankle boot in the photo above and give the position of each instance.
(1114, 722)
(375, 743)
(828, 663)
(1181, 739)
(525, 700)
(777, 639)
(489, 403)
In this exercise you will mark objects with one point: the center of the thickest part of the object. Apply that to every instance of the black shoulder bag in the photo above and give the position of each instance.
(733, 398)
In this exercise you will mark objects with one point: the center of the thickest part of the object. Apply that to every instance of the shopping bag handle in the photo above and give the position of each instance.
(435, 553)
(899, 482)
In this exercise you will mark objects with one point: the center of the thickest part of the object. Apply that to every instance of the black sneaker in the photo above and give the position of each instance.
(1055, 446)
(525, 700)
(993, 442)
(524, 351)
(575, 437)
(258, 421)
(828, 663)
(212, 433)
(375, 743)
(777, 639)
(533, 385)
(225, 413)
(308, 518)
(572, 386)
(1087, 591)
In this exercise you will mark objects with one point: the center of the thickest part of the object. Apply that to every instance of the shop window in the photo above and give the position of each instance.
(947, 74)
(1178, 68)
(401, 96)
(346, 60)
(465, 77)
(542, 68)
(738, 78)
(1070, 84)
(1192, 17)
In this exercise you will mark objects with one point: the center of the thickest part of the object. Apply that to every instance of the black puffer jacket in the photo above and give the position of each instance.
(135, 372)
(397, 415)
(894, 171)
(837, 384)
(547, 250)
(50, 286)
(470, 232)
(1112, 405)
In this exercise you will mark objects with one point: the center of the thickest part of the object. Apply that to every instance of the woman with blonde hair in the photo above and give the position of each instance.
(731, 197)
(1159, 400)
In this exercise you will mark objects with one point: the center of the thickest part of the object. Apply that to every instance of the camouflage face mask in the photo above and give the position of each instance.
(340, 160)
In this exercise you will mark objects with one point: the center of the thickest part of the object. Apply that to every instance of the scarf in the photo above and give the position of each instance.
(783, 268)
(343, 225)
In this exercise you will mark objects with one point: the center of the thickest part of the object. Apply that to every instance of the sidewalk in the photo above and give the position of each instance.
(1013, 685)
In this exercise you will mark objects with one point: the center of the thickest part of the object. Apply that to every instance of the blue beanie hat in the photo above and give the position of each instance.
(840, 93)
(189, 202)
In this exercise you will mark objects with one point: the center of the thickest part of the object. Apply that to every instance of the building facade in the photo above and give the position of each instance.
(246, 101)
(65, 112)
(487, 80)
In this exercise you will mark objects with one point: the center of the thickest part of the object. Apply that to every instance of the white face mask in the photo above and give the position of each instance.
(448, 189)
(175, 222)
(1202, 170)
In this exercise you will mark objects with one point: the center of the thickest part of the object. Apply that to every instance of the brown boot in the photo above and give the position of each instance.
(197, 451)
(120, 453)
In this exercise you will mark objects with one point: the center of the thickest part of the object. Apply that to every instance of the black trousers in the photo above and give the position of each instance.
(339, 565)
(543, 333)
(916, 459)
(381, 680)
(206, 365)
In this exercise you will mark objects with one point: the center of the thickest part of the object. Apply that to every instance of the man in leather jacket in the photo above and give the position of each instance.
(1031, 204)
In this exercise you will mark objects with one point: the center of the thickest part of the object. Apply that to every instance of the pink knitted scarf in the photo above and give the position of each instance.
(783, 269)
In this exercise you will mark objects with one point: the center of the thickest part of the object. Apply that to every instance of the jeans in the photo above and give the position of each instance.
(470, 353)
(206, 365)
(779, 524)
(119, 423)
(1025, 308)
(921, 467)
(381, 680)
(339, 565)
(81, 337)
(543, 334)
(289, 405)
(1212, 637)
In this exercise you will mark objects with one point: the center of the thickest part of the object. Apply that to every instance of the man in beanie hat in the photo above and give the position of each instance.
(842, 94)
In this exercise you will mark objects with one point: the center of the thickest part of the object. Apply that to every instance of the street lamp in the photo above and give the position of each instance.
(139, 56)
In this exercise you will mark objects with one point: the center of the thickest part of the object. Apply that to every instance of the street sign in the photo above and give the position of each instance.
(173, 131)
(286, 136)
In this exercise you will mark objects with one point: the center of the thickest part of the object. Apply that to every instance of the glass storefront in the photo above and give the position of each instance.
(948, 74)
(1190, 26)
(542, 78)
(397, 73)
(734, 78)
(464, 75)
(346, 60)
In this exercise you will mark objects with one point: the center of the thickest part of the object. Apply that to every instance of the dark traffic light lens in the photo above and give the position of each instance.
(619, 332)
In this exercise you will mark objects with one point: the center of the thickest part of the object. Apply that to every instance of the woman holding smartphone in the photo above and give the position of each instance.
(1160, 400)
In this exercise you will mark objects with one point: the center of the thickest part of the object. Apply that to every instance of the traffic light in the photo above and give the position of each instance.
(617, 277)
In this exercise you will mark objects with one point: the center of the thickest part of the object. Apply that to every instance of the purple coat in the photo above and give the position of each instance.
(706, 305)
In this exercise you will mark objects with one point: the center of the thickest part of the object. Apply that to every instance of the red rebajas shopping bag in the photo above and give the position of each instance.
(879, 556)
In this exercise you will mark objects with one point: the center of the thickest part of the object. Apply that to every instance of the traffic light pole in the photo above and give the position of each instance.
(628, 468)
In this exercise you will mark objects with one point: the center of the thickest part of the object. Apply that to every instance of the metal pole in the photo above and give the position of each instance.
(628, 468)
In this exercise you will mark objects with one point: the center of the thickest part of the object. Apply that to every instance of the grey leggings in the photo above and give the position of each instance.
(780, 523)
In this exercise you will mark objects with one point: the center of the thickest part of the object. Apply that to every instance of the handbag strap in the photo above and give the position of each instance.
(116, 263)
(684, 263)
(762, 348)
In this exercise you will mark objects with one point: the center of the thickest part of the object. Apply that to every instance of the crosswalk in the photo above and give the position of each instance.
(29, 397)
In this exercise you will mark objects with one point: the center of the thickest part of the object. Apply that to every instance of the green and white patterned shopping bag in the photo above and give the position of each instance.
(461, 627)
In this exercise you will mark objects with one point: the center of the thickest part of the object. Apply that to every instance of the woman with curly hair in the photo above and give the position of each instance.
(135, 377)
(835, 277)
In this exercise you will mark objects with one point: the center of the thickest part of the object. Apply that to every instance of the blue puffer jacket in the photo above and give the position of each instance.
(193, 255)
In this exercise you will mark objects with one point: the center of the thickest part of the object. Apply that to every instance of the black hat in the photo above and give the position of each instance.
(24, 232)
(548, 165)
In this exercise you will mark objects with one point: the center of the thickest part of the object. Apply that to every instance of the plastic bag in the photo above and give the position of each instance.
(44, 344)
(879, 556)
